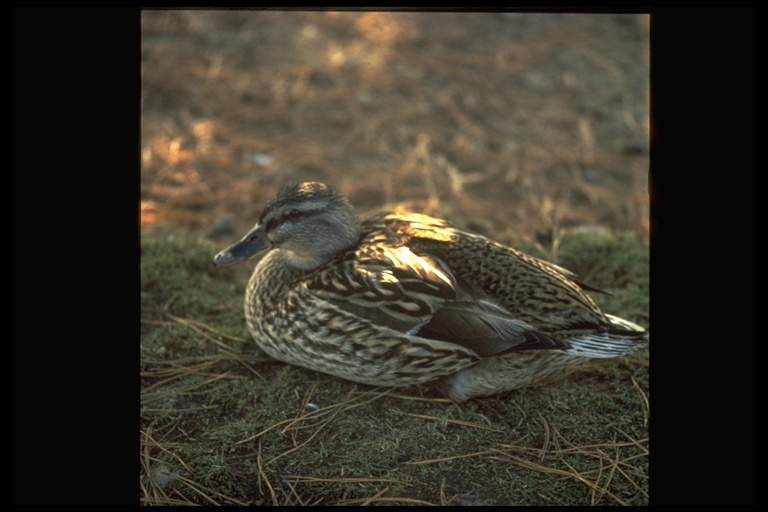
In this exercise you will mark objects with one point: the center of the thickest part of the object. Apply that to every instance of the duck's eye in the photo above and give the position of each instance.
(292, 214)
(286, 216)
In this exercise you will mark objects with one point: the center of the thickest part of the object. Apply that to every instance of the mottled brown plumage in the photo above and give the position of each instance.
(404, 299)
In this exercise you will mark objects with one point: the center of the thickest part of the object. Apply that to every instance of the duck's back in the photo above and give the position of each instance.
(537, 292)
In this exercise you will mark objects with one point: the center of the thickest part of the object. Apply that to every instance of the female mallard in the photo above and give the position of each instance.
(402, 299)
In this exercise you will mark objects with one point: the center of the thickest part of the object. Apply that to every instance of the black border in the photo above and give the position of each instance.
(76, 87)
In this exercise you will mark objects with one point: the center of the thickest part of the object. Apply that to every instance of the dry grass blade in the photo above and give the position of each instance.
(523, 414)
(148, 442)
(337, 409)
(202, 328)
(170, 371)
(599, 484)
(180, 368)
(646, 404)
(443, 500)
(148, 396)
(612, 471)
(596, 488)
(152, 492)
(298, 422)
(546, 436)
(635, 442)
(207, 493)
(448, 420)
(294, 493)
(183, 367)
(161, 410)
(408, 397)
(569, 474)
(379, 499)
(263, 475)
(156, 477)
(376, 496)
(310, 479)
(596, 451)
(161, 502)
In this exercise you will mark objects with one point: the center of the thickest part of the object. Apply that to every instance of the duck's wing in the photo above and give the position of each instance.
(527, 302)
(418, 295)
(551, 267)
(486, 328)
(388, 286)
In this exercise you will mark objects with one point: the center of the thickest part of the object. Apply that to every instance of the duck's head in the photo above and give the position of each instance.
(310, 222)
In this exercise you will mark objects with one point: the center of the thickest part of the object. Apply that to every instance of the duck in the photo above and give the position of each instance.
(398, 299)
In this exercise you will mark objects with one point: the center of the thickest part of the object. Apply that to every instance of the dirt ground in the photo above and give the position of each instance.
(510, 124)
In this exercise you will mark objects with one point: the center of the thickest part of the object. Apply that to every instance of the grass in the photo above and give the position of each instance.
(222, 423)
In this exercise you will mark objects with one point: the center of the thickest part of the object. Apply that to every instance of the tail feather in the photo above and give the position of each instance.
(624, 324)
(626, 338)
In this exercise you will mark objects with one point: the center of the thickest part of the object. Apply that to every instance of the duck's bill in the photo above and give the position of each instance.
(250, 245)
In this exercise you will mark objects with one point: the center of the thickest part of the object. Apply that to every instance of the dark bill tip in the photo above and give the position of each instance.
(250, 245)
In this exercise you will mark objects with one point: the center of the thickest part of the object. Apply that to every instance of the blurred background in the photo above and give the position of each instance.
(509, 124)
